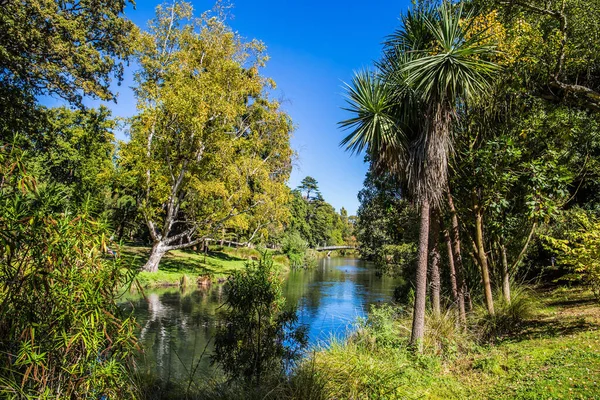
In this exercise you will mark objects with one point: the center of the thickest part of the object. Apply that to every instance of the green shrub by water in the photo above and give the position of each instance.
(257, 336)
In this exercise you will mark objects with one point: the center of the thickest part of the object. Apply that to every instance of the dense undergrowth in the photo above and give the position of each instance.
(544, 344)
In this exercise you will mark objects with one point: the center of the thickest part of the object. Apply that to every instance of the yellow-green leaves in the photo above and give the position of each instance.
(209, 149)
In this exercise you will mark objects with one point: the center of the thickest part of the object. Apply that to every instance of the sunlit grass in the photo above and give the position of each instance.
(190, 265)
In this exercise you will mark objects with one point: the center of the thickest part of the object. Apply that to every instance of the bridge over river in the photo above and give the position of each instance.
(332, 248)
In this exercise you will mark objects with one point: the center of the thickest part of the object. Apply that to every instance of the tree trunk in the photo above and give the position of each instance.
(435, 263)
(481, 256)
(505, 276)
(457, 256)
(451, 267)
(156, 254)
(418, 326)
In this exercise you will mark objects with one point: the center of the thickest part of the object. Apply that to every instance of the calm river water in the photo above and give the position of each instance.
(177, 327)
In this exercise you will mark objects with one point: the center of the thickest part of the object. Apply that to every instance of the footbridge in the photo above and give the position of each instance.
(332, 248)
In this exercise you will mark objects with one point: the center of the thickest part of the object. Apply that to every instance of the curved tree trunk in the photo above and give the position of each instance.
(457, 256)
(435, 263)
(156, 254)
(418, 326)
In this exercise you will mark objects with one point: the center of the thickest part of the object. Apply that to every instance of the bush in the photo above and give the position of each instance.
(579, 249)
(295, 248)
(257, 337)
(61, 333)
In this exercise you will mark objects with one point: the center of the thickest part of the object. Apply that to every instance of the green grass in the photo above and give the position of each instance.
(219, 263)
(553, 355)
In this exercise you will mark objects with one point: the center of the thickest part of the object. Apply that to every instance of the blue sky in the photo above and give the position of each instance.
(314, 47)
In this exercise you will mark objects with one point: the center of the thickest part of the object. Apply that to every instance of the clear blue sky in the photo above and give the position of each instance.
(314, 47)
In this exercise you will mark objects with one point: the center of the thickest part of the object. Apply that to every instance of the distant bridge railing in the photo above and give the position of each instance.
(331, 248)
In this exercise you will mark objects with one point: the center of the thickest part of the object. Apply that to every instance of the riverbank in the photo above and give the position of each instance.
(553, 353)
(187, 267)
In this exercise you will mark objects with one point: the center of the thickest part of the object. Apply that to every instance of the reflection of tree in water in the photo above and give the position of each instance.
(177, 330)
(177, 325)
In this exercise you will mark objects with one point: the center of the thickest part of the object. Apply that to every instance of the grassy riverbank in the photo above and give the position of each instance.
(553, 353)
(188, 266)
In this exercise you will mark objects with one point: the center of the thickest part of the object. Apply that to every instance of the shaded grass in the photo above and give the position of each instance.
(180, 266)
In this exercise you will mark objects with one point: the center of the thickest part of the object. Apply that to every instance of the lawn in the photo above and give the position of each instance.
(188, 265)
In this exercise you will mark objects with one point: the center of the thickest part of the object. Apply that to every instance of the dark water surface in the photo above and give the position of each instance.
(177, 327)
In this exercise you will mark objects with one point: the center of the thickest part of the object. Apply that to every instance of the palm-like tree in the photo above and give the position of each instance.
(404, 112)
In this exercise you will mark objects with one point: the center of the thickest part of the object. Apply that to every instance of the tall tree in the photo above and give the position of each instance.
(208, 147)
(430, 67)
(309, 185)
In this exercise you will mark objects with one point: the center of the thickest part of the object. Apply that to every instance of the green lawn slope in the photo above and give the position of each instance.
(186, 266)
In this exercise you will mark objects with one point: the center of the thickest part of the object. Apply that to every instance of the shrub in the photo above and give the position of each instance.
(61, 332)
(295, 247)
(257, 337)
(579, 250)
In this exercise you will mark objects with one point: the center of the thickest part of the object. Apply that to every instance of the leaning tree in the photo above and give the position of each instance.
(209, 150)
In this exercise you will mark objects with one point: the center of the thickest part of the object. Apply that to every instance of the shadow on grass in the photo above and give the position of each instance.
(223, 256)
(536, 329)
(573, 302)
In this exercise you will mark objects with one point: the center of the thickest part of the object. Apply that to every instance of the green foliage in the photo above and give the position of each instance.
(64, 48)
(74, 150)
(295, 248)
(315, 220)
(258, 336)
(209, 148)
(386, 226)
(579, 250)
(62, 334)
(309, 185)
(509, 317)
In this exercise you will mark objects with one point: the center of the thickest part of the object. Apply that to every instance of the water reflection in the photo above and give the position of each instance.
(176, 328)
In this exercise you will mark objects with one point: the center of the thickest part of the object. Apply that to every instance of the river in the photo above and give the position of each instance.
(176, 326)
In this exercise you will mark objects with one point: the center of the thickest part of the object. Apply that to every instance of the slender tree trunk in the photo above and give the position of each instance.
(505, 275)
(435, 263)
(451, 267)
(481, 256)
(156, 254)
(457, 256)
(418, 326)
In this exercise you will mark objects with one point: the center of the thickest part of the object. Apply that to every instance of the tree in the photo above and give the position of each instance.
(430, 66)
(73, 150)
(68, 49)
(208, 147)
(385, 226)
(308, 185)
(530, 145)
(453, 70)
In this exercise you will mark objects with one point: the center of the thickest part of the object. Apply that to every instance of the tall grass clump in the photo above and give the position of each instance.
(61, 332)
(509, 316)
